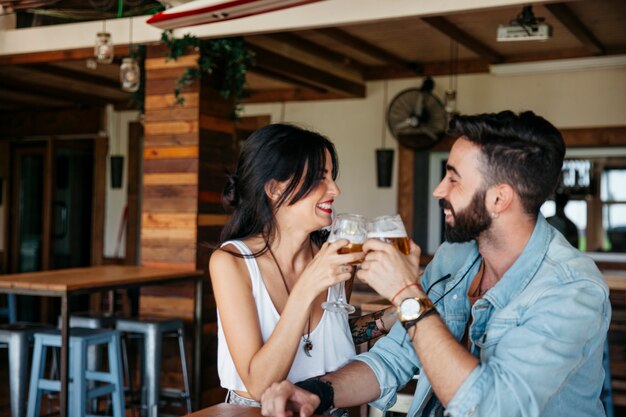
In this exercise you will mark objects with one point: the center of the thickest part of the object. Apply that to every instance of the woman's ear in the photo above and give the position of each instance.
(274, 190)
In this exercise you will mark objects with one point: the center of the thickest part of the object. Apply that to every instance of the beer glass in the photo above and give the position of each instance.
(389, 229)
(352, 227)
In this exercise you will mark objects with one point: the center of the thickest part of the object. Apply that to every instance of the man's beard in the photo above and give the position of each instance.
(469, 222)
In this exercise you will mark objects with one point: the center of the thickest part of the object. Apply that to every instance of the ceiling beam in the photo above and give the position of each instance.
(75, 75)
(57, 56)
(319, 50)
(450, 30)
(269, 73)
(284, 66)
(296, 94)
(367, 48)
(63, 85)
(47, 92)
(17, 98)
(564, 14)
(305, 51)
(465, 66)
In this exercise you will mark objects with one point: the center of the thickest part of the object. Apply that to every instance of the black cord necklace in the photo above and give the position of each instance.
(308, 344)
(447, 276)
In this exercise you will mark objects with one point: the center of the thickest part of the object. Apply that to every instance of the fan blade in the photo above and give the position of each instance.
(405, 123)
(428, 132)
(419, 106)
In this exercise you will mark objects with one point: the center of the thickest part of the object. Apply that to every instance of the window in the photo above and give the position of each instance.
(613, 198)
(595, 180)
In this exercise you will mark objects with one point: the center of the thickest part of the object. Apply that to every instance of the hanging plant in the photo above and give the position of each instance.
(227, 60)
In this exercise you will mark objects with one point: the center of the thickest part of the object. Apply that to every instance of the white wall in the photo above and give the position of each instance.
(568, 100)
(355, 127)
(117, 129)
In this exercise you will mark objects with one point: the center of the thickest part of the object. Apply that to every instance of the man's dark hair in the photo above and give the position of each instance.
(525, 151)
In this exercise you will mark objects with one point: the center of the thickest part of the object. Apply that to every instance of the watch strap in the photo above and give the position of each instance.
(408, 324)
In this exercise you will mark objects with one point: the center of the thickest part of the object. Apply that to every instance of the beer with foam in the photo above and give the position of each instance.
(389, 229)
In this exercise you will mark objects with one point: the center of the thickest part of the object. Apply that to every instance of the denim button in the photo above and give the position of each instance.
(472, 411)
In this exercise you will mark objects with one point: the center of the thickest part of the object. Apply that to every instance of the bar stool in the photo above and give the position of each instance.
(154, 330)
(17, 338)
(91, 320)
(94, 320)
(80, 339)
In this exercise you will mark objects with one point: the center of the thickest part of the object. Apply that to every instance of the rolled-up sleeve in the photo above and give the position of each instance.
(531, 361)
(394, 363)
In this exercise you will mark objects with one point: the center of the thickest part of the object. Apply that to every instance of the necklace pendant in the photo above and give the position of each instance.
(308, 346)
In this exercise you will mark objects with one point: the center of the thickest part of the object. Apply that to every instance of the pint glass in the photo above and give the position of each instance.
(389, 229)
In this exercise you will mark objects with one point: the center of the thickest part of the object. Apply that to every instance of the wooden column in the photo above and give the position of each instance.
(170, 180)
(187, 149)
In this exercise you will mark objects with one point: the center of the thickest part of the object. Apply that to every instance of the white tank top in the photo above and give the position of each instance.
(332, 341)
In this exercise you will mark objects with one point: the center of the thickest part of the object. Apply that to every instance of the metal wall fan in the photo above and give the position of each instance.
(417, 118)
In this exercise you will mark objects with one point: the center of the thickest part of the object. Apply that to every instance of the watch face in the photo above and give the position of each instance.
(410, 309)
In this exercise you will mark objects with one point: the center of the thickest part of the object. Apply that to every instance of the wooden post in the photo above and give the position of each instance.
(187, 150)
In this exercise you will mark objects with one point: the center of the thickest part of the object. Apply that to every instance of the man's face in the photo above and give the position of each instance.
(461, 193)
(468, 222)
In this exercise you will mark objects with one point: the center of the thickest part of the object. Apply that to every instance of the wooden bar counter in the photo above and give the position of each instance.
(227, 410)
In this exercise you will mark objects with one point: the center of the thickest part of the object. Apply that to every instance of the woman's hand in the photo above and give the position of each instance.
(328, 268)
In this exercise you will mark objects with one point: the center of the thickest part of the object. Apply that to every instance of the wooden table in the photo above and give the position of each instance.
(227, 410)
(66, 283)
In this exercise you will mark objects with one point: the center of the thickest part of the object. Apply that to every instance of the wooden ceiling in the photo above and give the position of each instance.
(336, 62)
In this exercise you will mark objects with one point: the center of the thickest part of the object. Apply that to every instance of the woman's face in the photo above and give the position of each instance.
(315, 210)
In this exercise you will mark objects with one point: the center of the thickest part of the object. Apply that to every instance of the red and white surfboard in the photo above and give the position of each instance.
(200, 12)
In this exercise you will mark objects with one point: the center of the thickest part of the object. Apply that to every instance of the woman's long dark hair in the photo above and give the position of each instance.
(280, 152)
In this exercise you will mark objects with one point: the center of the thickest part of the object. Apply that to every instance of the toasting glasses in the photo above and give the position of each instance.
(389, 229)
(352, 227)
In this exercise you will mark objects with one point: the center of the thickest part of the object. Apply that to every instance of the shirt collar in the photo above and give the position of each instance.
(523, 270)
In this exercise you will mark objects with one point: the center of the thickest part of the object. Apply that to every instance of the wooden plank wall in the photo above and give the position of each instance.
(187, 150)
(170, 181)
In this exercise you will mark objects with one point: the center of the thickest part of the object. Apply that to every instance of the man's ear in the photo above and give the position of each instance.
(499, 198)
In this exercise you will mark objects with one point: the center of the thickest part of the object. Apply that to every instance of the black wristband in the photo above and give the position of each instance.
(408, 324)
(323, 389)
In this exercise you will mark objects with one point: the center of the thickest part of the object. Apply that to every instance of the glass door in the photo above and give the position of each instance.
(70, 237)
(28, 224)
(51, 213)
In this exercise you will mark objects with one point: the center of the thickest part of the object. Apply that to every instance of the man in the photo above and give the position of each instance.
(520, 317)
(561, 222)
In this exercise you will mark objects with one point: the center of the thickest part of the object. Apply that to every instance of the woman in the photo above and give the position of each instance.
(272, 272)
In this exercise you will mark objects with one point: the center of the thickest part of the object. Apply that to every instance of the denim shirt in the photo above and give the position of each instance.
(538, 333)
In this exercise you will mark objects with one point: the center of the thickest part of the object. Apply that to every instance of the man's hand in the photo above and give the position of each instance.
(386, 269)
(282, 399)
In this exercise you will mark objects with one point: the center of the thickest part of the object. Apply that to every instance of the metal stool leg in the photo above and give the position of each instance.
(18, 362)
(153, 365)
(78, 393)
(183, 362)
(34, 395)
(129, 380)
(115, 368)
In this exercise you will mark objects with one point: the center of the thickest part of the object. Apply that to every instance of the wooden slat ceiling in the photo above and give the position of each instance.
(336, 62)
